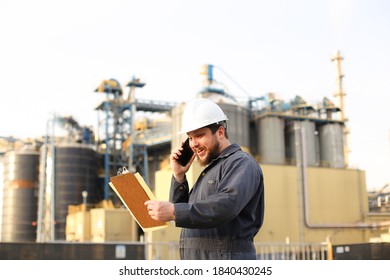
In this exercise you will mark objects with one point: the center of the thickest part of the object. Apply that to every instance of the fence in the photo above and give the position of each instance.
(265, 251)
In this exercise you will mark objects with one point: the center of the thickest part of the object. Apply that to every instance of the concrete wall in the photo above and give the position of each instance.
(336, 199)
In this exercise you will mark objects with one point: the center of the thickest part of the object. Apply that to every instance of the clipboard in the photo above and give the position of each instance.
(133, 192)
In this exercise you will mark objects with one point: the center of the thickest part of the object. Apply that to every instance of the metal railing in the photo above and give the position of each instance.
(292, 251)
(265, 251)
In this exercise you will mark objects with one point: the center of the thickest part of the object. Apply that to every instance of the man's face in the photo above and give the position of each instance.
(205, 145)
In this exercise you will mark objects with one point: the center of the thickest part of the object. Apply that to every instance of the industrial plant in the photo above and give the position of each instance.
(56, 202)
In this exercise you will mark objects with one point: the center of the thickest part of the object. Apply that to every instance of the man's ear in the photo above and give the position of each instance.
(221, 131)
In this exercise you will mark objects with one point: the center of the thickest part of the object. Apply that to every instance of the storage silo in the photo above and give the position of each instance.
(238, 123)
(20, 196)
(1, 191)
(75, 171)
(307, 129)
(290, 139)
(332, 145)
(271, 142)
(177, 113)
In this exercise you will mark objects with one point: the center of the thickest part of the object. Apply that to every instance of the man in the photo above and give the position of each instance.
(224, 210)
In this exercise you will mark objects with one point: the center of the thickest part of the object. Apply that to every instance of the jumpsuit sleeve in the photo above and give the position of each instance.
(179, 192)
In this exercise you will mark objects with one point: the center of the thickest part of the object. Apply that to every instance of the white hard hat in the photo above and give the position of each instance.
(199, 113)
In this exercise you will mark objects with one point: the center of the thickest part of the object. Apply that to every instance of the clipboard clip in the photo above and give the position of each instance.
(122, 170)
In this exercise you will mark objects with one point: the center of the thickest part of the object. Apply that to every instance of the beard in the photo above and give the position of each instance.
(213, 153)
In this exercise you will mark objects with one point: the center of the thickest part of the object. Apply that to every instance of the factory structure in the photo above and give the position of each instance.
(54, 190)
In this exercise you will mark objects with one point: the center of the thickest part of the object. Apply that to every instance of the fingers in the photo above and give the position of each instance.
(159, 210)
(175, 154)
(153, 207)
(150, 205)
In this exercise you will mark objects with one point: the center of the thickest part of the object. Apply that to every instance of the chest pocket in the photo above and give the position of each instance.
(211, 182)
(211, 186)
(205, 186)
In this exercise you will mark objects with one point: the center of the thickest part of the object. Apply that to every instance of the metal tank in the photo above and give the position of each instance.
(238, 123)
(332, 145)
(75, 171)
(294, 142)
(177, 113)
(20, 196)
(270, 139)
(1, 191)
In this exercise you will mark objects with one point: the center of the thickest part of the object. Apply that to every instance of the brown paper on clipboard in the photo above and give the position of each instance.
(133, 192)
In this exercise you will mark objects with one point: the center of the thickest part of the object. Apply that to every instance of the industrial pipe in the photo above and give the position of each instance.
(301, 163)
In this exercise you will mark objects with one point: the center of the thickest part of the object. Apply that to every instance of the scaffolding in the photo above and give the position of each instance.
(118, 139)
(116, 116)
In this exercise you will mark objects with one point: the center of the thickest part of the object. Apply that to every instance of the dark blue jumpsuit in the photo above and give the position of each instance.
(223, 211)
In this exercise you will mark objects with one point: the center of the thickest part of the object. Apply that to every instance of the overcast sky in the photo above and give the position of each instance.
(53, 55)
